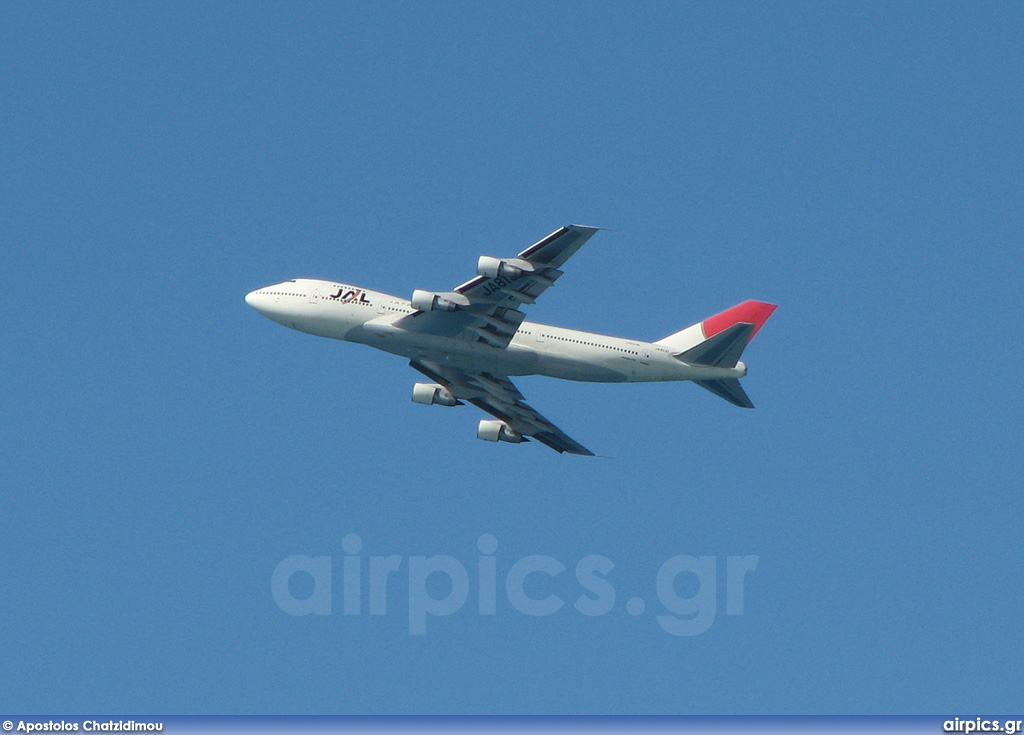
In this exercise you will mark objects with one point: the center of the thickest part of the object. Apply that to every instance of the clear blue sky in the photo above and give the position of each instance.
(163, 447)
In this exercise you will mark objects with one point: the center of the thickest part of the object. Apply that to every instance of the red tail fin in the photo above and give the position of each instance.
(750, 312)
(753, 312)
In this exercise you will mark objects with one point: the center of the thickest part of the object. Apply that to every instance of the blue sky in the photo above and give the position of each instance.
(164, 447)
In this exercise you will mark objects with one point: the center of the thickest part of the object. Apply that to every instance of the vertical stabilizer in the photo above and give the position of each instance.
(750, 312)
(719, 341)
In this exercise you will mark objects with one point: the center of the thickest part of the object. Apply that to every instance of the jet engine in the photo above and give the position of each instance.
(498, 268)
(430, 301)
(492, 431)
(433, 394)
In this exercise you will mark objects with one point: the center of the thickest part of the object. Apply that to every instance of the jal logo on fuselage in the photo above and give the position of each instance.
(348, 295)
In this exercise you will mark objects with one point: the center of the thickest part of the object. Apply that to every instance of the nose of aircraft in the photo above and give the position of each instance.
(257, 300)
(280, 302)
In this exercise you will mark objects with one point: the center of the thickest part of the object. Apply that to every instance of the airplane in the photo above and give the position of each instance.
(470, 341)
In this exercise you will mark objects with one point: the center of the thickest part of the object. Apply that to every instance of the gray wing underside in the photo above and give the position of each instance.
(493, 314)
(499, 397)
(547, 255)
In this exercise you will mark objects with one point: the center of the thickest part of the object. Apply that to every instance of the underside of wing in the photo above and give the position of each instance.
(499, 397)
(486, 307)
(523, 278)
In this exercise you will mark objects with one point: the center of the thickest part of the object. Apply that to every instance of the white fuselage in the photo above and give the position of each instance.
(339, 311)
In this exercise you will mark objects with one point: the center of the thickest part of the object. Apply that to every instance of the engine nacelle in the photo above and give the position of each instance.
(430, 301)
(493, 431)
(433, 394)
(498, 268)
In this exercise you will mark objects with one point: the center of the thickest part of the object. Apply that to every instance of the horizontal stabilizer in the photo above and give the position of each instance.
(729, 389)
(722, 350)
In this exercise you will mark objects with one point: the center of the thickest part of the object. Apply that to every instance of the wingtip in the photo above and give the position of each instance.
(592, 228)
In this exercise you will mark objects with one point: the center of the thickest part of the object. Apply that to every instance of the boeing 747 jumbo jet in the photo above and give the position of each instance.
(469, 341)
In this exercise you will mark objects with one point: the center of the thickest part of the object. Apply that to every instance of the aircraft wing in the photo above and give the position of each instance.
(486, 308)
(496, 395)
